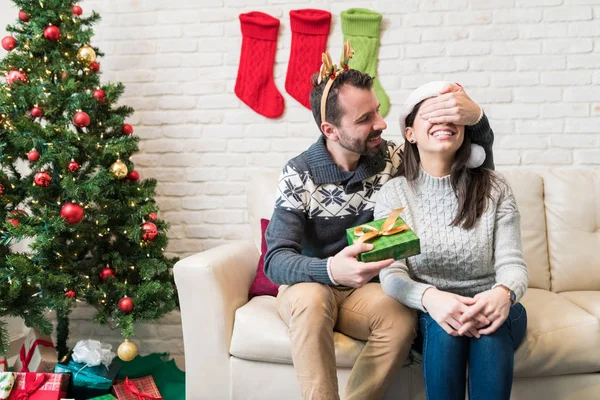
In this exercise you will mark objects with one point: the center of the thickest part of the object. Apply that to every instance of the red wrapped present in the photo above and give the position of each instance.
(3, 364)
(39, 386)
(37, 354)
(137, 389)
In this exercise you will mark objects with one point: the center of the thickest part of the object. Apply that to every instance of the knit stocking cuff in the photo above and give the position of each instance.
(259, 25)
(360, 22)
(310, 21)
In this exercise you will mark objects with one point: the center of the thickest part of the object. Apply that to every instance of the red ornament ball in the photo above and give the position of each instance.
(73, 166)
(106, 273)
(9, 43)
(126, 304)
(133, 176)
(23, 16)
(149, 231)
(99, 95)
(52, 33)
(81, 119)
(127, 129)
(1, 189)
(152, 216)
(33, 155)
(15, 221)
(37, 112)
(16, 76)
(42, 179)
(95, 67)
(77, 10)
(72, 213)
(70, 294)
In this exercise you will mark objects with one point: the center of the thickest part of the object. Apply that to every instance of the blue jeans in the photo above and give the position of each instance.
(490, 359)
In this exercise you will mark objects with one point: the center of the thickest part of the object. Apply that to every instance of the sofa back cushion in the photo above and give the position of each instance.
(529, 192)
(572, 199)
(261, 193)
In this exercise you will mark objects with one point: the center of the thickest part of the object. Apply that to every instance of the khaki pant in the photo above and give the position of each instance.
(313, 311)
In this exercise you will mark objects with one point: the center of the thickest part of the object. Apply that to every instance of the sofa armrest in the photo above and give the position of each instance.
(211, 286)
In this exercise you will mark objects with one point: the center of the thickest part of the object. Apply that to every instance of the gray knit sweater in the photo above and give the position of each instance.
(453, 259)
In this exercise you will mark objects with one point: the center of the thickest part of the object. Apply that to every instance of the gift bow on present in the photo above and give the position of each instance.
(387, 228)
(33, 382)
(131, 388)
(26, 358)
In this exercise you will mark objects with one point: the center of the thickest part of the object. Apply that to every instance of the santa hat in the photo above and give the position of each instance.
(429, 90)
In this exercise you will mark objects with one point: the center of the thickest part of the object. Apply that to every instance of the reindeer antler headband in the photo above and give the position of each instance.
(331, 71)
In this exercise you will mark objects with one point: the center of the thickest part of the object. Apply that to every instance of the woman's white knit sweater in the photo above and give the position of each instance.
(453, 259)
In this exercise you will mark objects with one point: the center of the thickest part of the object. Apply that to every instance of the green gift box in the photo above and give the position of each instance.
(397, 246)
(105, 397)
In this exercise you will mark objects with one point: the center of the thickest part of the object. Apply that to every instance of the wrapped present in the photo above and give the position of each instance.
(3, 364)
(391, 238)
(37, 354)
(105, 397)
(137, 389)
(7, 381)
(88, 381)
(39, 386)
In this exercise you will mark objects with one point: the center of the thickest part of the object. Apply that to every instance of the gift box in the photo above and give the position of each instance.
(7, 381)
(39, 386)
(88, 381)
(391, 237)
(105, 397)
(3, 364)
(37, 354)
(136, 389)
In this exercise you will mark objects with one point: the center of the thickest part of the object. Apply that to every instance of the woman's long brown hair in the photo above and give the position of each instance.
(472, 186)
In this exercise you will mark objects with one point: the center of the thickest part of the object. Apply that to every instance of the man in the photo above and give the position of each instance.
(322, 192)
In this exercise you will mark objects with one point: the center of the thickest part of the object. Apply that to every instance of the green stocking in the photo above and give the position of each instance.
(361, 27)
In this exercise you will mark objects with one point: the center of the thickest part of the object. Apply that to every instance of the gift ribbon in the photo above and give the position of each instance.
(387, 229)
(26, 359)
(130, 387)
(32, 385)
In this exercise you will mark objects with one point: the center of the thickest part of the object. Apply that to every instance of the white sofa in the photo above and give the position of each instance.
(240, 349)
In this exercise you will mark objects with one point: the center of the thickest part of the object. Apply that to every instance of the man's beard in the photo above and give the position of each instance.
(360, 146)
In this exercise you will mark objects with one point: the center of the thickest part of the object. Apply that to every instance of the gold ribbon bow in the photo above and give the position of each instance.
(387, 229)
(331, 71)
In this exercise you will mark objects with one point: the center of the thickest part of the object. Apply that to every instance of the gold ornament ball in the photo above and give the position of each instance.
(119, 169)
(86, 55)
(127, 350)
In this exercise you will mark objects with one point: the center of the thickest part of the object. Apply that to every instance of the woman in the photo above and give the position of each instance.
(470, 275)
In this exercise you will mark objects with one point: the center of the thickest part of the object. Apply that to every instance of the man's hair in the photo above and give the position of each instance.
(333, 110)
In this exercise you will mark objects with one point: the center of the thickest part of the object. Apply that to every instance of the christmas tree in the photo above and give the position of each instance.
(68, 188)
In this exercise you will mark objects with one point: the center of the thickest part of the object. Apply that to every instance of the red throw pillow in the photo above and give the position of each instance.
(261, 284)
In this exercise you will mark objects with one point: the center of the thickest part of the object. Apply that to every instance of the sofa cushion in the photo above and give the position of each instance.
(259, 334)
(572, 199)
(588, 300)
(528, 188)
(562, 338)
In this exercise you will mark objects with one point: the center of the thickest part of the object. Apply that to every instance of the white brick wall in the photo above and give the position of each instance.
(532, 64)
